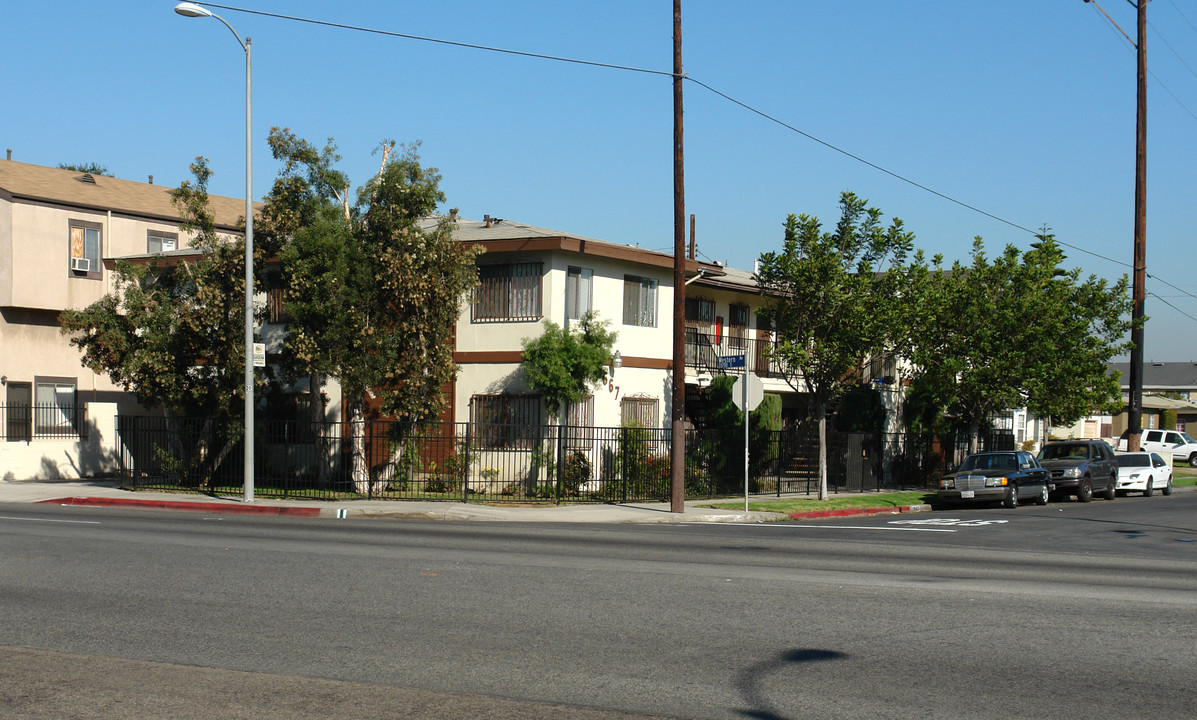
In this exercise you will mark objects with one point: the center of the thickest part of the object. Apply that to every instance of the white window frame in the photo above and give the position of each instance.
(54, 406)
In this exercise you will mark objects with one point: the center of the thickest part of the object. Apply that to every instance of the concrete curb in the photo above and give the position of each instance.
(857, 512)
(207, 507)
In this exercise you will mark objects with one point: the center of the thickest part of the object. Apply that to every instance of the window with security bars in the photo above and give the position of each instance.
(507, 292)
(578, 282)
(640, 411)
(639, 301)
(506, 421)
(737, 327)
(578, 430)
(700, 312)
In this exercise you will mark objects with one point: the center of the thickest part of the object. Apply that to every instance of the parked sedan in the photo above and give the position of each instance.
(1145, 472)
(1008, 477)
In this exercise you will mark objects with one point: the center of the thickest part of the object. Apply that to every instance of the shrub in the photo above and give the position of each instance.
(575, 473)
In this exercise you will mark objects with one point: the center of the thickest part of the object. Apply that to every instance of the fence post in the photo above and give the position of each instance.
(465, 480)
(623, 463)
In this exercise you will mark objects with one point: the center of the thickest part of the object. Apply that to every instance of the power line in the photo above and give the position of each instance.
(1178, 12)
(1164, 40)
(471, 46)
(1182, 312)
(1114, 26)
(628, 68)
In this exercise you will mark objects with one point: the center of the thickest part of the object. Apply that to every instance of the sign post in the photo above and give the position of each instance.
(747, 394)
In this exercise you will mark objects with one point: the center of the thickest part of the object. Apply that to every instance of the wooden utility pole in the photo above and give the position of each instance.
(1135, 406)
(677, 454)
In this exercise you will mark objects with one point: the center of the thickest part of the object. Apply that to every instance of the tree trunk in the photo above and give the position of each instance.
(360, 471)
(822, 410)
(974, 436)
(319, 429)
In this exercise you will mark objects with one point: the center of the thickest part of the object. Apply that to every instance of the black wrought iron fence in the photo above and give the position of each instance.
(20, 422)
(468, 462)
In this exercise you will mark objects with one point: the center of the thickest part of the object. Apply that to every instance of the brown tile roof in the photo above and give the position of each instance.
(68, 187)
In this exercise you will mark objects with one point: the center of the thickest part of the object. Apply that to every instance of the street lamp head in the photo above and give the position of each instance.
(190, 9)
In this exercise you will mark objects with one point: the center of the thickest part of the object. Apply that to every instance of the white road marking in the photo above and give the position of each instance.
(76, 522)
(948, 521)
(836, 527)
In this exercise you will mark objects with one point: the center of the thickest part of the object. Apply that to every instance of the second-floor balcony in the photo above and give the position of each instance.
(703, 351)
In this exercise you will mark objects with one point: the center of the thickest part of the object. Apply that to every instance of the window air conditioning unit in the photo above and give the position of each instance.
(79, 264)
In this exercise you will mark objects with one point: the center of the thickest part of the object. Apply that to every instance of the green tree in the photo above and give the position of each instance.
(565, 364)
(174, 335)
(835, 299)
(89, 168)
(1015, 331)
(727, 459)
(373, 288)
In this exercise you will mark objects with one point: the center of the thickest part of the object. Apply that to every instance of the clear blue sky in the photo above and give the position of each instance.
(1023, 109)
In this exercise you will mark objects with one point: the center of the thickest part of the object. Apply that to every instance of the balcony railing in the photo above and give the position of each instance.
(703, 351)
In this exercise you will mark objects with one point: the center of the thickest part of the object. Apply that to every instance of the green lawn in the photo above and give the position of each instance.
(851, 502)
(1184, 476)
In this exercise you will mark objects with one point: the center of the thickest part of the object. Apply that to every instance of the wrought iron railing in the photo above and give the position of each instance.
(703, 351)
(21, 422)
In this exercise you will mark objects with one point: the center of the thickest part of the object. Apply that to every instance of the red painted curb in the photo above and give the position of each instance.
(187, 506)
(815, 514)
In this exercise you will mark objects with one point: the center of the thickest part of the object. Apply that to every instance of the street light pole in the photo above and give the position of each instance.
(189, 9)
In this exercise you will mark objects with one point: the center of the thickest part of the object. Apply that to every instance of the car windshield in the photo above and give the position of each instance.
(989, 462)
(1186, 438)
(1076, 451)
(1133, 461)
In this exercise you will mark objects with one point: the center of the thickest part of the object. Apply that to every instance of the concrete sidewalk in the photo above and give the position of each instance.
(102, 493)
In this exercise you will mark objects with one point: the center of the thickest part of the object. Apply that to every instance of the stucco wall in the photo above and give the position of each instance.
(59, 459)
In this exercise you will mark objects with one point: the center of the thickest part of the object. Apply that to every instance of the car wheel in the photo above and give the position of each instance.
(1011, 500)
(1149, 490)
(1168, 488)
(1084, 490)
(1042, 499)
(1111, 489)
(1193, 460)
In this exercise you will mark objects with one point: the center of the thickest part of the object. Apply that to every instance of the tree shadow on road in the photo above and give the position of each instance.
(750, 681)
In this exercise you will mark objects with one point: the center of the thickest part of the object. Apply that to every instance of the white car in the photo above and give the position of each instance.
(1143, 472)
(1182, 447)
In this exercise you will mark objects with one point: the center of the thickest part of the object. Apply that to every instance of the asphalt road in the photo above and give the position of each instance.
(1066, 611)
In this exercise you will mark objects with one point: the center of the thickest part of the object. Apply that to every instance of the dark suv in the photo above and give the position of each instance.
(1080, 467)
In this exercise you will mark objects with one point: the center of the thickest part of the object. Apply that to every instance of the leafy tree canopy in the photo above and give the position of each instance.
(174, 335)
(834, 297)
(564, 364)
(1016, 330)
(371, 284)
(89, 168)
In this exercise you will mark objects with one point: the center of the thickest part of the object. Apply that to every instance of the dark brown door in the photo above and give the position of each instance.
(19, 413)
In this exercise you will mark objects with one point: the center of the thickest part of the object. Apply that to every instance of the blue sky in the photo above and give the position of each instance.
(1023, 109)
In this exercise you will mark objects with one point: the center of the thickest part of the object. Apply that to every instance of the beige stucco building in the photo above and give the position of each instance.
(58, 228)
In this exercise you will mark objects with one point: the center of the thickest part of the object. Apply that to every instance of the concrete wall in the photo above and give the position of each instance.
(61, 459)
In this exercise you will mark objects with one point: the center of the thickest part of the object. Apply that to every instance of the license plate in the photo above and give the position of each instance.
(966, 494)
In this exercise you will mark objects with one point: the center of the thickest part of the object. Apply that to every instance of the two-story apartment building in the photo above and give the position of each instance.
(61, 230)
(57, 229)
(529, 275)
